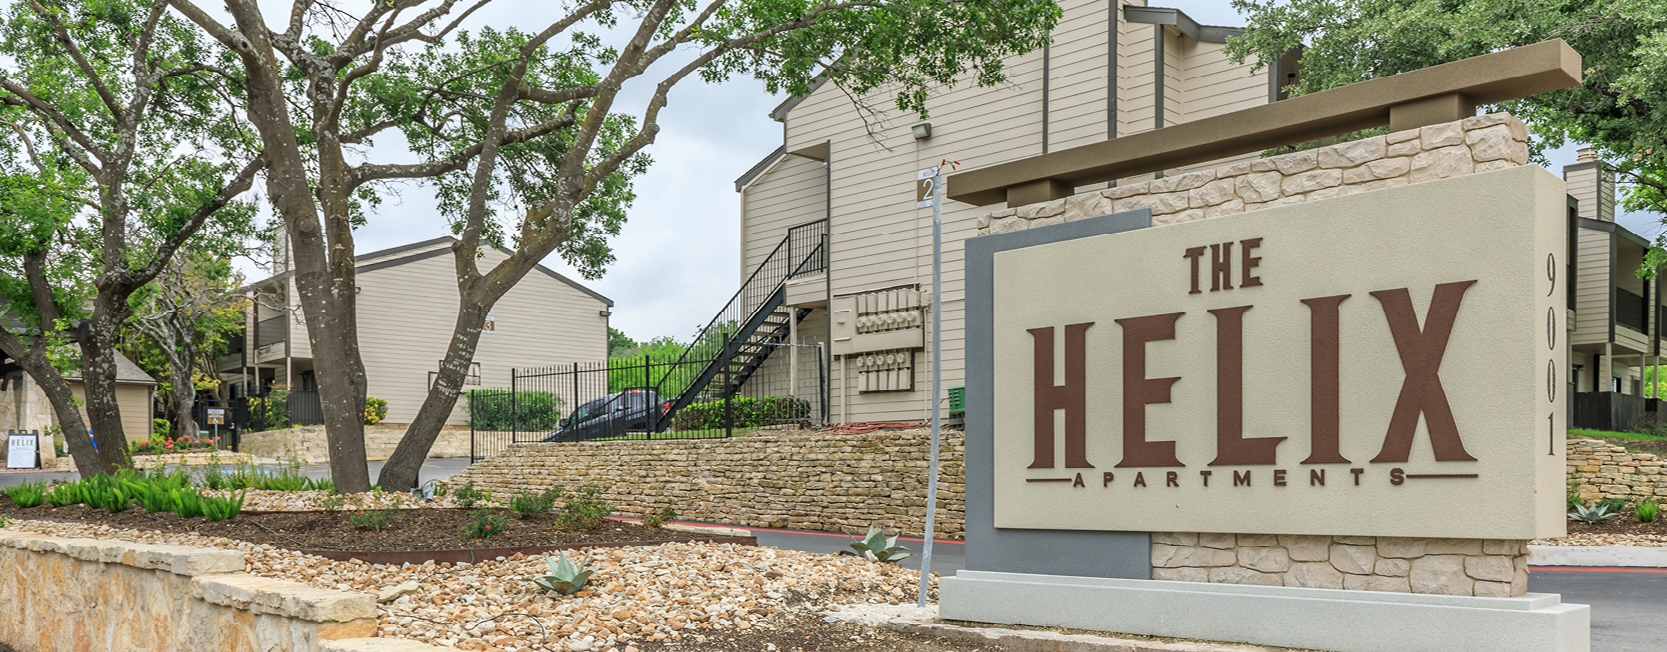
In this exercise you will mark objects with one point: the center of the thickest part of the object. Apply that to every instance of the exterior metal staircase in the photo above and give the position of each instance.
(755, 322)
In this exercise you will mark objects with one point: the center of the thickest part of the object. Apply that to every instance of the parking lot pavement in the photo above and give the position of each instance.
(1627, 603)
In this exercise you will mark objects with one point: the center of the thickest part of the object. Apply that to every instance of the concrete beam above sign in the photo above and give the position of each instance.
(1338, 367)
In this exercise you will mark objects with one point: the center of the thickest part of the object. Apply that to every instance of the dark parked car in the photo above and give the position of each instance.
(613, 415)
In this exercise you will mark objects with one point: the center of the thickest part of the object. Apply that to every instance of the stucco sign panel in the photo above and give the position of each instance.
(1382, 364)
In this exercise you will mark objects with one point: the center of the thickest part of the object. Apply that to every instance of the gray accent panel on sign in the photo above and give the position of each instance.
(1124, 555)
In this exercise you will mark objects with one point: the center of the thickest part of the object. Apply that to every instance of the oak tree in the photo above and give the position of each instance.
(521, 133)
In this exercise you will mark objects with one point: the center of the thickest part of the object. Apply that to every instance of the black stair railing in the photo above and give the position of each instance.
(802, 252)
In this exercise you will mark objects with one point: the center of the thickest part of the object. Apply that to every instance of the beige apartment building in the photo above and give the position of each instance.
(1615, 316)
(407, 303)
(1112, 70)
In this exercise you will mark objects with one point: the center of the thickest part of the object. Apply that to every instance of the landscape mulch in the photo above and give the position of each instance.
(413, 530)
(1623, 524)
(802, 632)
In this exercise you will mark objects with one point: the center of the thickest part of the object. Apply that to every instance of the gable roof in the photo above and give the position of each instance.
(431, 251)
(127, 373)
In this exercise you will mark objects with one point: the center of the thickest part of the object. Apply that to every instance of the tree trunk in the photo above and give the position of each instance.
(185, 394)
(98, 383)
(401, 470)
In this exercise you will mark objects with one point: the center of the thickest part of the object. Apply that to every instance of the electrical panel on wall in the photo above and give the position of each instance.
(885, 371)
(882, 320)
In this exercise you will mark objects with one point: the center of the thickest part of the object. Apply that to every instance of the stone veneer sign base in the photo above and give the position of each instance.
(1324, 619)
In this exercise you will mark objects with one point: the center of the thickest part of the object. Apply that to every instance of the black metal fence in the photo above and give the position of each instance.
(305, 409)
(616, 401)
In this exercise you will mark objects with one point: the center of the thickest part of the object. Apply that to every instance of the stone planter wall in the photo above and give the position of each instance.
(1485, 568)
(94, 594)
(1479, 144)
(224, 458)
(1602, 470)
(832, 483)
(307, 443)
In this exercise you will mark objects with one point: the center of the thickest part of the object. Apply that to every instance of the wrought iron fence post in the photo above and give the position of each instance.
(729, 417)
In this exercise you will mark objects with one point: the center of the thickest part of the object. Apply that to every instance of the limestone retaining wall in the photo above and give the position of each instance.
(1603, 470)
(307, 443)
(1485, 568)
(798, 480)
(94, 594)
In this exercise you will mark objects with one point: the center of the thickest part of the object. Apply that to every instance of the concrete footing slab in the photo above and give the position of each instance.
(1321, 619)
(1604, 556)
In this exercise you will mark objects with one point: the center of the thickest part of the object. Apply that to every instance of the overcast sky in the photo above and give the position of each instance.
(677, 254)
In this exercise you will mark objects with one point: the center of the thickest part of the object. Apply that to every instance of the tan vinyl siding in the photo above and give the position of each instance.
(134, 401)
(1592, 296)
(1174, 80)
(1078, 75)
(787, 195)
(1214, 85)
(407, 313)
(880, 240)
(1583, 187)
(1135, 77)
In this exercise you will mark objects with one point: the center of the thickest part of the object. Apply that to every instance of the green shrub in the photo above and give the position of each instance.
(584, 509)
(467, 495)
(745, 412)
(375, 410)
(28, 494)
(188, 502)
(219, 509)
(520, 411)
(653, 520)
(160, 428)
(270, 412)
(1644, 511)
(486, 524)
(106, 493)
(64, 495)
(530, 505)
(374, 519)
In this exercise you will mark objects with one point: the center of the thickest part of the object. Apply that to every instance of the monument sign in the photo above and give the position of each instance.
(1383, 364)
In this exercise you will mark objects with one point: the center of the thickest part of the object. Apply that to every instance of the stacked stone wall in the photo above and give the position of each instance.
(811, 481)
(1478, 567)
(1600, 470)
(96, 594)
(308, 443)
(1478, 144)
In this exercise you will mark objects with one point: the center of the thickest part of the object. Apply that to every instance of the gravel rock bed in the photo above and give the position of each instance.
(257, 500)
(648, 597)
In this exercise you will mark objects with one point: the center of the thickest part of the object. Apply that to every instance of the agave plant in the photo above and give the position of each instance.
(564, 577)
(1597, 513)
(875, 547)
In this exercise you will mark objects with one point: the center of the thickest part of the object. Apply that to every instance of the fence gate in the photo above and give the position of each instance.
(618, 401)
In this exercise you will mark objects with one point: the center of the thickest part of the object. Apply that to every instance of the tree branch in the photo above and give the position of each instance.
(80, 60)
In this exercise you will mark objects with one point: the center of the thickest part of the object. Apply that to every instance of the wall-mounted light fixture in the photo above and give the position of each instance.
(922, 131)
(604, 313)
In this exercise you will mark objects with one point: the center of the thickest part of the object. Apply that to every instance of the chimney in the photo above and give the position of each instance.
(1592, 183)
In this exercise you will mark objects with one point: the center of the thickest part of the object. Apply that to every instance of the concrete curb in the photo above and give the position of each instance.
(1025, 640)
(1611, 556)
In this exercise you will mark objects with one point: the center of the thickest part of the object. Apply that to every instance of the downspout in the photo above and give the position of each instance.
(1045, 61)
(827, 280)
(1157, 83)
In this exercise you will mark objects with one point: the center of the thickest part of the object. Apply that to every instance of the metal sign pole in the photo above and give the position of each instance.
(937, 379)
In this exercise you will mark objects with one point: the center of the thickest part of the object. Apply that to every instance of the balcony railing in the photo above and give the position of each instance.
(271, 331)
